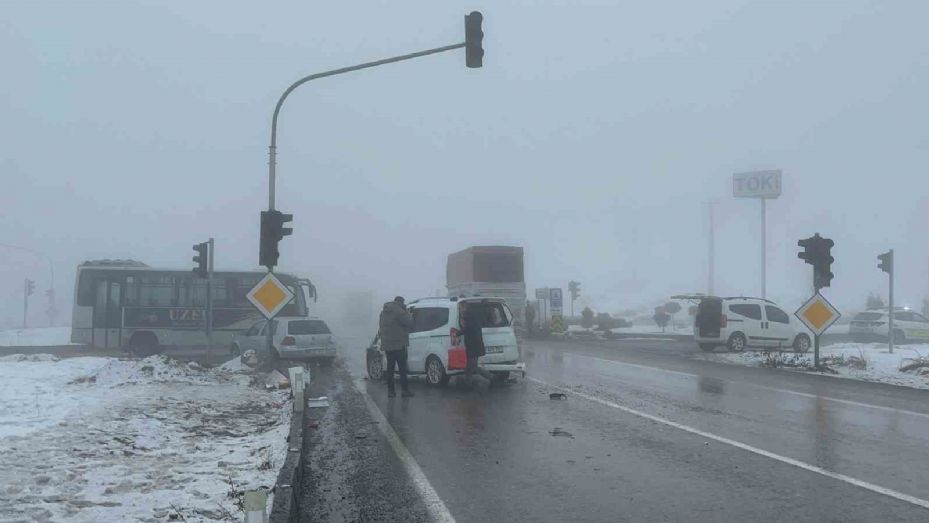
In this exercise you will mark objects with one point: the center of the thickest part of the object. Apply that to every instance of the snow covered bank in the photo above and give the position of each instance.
(863, 361)
(40, 337)
(101, 439)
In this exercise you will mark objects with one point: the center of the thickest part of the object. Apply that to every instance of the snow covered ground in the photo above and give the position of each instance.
(654, 329)
(862, 361)
(103, 439)
(38, 337)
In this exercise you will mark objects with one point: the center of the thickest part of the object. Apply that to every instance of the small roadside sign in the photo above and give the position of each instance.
(269, 296)
(817, 314)
(757, 184)
(541, 294)
(556, 299)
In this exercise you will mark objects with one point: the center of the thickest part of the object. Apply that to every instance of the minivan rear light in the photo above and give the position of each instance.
(289, 340)
(455, 336)
(723, 321)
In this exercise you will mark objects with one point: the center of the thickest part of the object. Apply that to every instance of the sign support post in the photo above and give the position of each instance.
(890, 298)
(764, 185)
(209, 299)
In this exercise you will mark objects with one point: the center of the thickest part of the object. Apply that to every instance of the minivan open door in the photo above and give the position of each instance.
(709, 317)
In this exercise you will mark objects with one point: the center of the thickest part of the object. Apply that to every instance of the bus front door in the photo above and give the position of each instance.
(108, 315)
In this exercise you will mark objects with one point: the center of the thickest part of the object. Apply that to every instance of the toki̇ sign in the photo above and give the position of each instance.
(757, 184)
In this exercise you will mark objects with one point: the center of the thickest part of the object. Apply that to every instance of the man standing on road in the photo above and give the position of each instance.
(395, 326)
(473, 331)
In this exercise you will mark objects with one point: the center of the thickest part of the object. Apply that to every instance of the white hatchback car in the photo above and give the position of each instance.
(436, 345)
(874, 325)
(738, 323)
(292, 338)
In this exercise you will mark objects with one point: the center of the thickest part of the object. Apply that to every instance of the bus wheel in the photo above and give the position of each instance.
(144, 344)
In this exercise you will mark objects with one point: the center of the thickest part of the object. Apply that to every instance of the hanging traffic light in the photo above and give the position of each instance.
(201, 259)
(474, 40)
(272, 232)
(817, 251)
(886, 261)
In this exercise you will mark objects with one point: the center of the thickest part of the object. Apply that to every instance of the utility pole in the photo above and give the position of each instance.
(711, 251)
(209, 298)
(28, 289)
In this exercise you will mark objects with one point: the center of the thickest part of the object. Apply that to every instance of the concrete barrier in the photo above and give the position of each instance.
(287, 490)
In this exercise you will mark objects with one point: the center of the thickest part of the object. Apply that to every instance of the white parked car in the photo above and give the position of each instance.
(292, 338)
(738, 323)
(874, 325)
(436, 337)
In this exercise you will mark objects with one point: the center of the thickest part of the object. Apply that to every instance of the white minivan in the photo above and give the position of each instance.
(738, 323)
(436, 346)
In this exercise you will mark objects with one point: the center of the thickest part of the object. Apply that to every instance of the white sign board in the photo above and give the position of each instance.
(269, 296)
(541, 294)
(757, 184)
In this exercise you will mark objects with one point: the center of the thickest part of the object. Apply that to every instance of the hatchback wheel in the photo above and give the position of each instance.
(375, 368)
(736, 342)
(435, 372)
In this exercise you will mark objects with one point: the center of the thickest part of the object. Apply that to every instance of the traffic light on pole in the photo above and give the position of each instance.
(272, 232)
(886, 261)
(474, 40)
(201, 259)
(575, 289)
(808, 249)
(822, 267)
(30, 287)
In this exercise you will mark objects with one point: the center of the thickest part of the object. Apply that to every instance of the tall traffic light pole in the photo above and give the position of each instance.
(887, 265)
(474, 54)
(817, 251)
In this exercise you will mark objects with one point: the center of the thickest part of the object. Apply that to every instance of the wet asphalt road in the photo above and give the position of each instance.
(648, 432)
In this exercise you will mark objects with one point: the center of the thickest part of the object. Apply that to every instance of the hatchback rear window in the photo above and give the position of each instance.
(869, 316)
(308, 327)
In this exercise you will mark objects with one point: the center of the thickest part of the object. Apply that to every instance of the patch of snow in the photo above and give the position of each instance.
(40, 337)
(653, 329)
(862, 361)
(29, 357)
(101, 439)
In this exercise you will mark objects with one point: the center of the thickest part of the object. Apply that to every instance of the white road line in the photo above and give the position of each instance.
(755, 450)
(434, 504)
(764, 387)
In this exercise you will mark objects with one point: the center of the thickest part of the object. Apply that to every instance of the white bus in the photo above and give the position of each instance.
(128, 305)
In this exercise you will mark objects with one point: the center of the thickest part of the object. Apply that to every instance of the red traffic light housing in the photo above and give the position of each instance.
(474, 40)
(272, 232)
(201, 259)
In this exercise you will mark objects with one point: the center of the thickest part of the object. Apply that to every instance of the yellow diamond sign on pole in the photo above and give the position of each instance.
(269, 296)
(817, 314)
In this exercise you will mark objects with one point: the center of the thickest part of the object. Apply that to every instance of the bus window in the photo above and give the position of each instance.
(86, 290)
(156, 291)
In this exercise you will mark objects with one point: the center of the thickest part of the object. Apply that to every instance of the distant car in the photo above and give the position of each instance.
(874, 325)
(292, 338)
(437, 348)
(739, 323)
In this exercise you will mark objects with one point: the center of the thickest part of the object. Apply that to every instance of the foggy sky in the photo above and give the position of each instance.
(593, 136)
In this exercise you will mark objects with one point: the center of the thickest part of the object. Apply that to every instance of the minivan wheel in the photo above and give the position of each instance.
(435, 372)
(801, 343)
(736, 342)
(899, 337)
(707, 347)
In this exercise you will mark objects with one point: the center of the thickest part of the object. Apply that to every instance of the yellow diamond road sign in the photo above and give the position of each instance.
(270, 296)
(817, 314)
